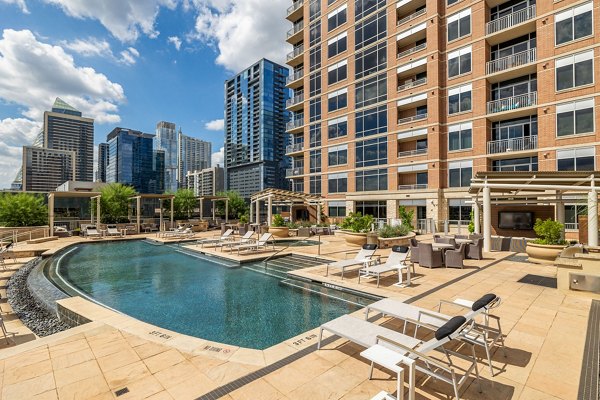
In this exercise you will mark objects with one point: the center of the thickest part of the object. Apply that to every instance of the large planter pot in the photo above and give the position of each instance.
(279, 231)
(354, 238)
(385, 243)
(543, 253)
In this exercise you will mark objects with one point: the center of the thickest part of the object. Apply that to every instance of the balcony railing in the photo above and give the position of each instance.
(294, 100)
(413, 187)
(294, 148)
(412, 50)
(295, 123)
(515, 144)
(296, 52)
(296, 5)
(412, 84)
(509, 20)
(571, 226)
(295, 76)
(512, 61)
(411, 17)
(294, 171)
(297, 28)
(512, 103)
(413, 118)
(409, 153)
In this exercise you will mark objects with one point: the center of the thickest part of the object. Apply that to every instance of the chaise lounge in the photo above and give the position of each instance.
(365, 254)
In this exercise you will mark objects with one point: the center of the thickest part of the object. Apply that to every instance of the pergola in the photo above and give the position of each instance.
(214, 199)
(55, 195)
(532, 188)
(283, 197)
(160, 197)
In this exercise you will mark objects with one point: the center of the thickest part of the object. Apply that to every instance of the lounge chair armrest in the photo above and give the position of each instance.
(413, 352)
(431, 315)
(350, 252)
(451, 303)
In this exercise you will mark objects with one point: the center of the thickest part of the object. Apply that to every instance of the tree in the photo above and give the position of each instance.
(237, 204)
(183, 204)
(114, 203)
(22, 209)
(406, 216)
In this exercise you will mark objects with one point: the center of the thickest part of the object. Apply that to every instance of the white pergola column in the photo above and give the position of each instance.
(51, 213)
(487, 219)
(560, 212)
(593, 218)
(477, 217)
(251, 212)
(201, 208)
(214, 205)
(318, 213)
(257, 211)
(98, 210)
(291, 211)
(270, 210)
(226, 210)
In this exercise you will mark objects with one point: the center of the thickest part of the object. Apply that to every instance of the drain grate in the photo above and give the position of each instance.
(121, 392)
(589, 382)
(539, 280)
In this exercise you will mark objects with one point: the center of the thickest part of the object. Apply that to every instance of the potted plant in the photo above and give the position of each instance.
(278, 227)
(549, 244)
(355, 228)
(399, 235)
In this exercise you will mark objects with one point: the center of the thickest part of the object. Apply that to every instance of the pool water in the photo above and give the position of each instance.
(195, 296)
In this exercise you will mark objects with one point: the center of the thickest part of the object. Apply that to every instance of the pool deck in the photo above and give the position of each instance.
(544, 327)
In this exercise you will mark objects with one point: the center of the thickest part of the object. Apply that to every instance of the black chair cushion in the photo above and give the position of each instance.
(369, 247)
(450, 327)
(400, 249)
(483, 301)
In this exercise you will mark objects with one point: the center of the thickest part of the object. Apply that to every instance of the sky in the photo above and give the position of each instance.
(128, 63)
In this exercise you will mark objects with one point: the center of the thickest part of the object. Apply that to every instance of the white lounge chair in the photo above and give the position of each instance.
(379, 339)
(92, 232)
(112, 230)
(365, 254)
(5, 332)
(246, 239)
(6, 253)
(395, 262)
(217, 239)
(262, 243)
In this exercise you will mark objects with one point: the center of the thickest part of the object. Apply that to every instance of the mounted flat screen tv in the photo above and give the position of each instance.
(515, 220)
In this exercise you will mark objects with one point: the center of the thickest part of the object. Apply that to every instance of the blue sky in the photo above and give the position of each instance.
(128, 63)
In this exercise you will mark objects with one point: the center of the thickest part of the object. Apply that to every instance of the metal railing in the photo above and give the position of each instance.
(515, 144)
(510, 20)
(409, 153)
(413, 187)
(411, 17)
(17, 235)
(412, 50)
(412, 84)
(571, 226)
(296, 5)
(295, 76)
(294, 100)
(296, 52)
(295, 123)
(512, 61)
(297, 28)
(294, 148)
(413, 118)
(294, 171)
(512, 103)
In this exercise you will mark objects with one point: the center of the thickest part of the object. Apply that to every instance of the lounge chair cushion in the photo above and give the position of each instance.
(450, 327)
(483, 301)
(400, 249)
(369, 247)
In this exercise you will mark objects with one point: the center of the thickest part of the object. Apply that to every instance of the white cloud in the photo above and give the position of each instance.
(93, 47)
(175, 41)
(218, 158)
(126, 20)
(129, 56)
(20, 3)
(15, 133)
(243, 31)
(216, 125)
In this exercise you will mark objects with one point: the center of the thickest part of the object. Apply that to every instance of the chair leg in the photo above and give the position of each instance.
(371, 371)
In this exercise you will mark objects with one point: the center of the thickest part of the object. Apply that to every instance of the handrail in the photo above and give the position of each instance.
(512, 103)
(411, 84)
(513, 144)
(413, 118)
(510, 20)
(295, 76)
(414, 152)
(512, 61)
(411, 50)
(14, 235)
(411, 17)
(296, 5)
(296, 28)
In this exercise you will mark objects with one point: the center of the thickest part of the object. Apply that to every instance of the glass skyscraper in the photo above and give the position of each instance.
(255, 121)
(166, 140)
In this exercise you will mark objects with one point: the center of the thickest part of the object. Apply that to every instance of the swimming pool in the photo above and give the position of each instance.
(214, 300)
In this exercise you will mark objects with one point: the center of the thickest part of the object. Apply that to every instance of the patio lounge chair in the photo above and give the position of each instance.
(456, 258)
(246, 239)
(428, 257)
(364, 254)
(92, 232)
(475, 250)
(7, 253)
(216, 240)
(111, 230)
(262, 243)
(5, 332)
(400, 346)
(395, 262)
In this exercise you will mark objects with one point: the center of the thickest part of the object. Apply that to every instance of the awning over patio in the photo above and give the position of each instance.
(283, 197)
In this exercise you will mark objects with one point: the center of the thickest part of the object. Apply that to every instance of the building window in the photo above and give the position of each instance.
(515, 128)
(459, 99)
(362, 8)
(460, 136)
(572, 212)
(337, 100)
(370, 30)
(371, 122)
(314, 183)
(337, 45)
(314, 33)
(371, 152)
(336, 209)
(459, 62)
(371, 91)
(314, 135)
(372, 60)
(450, 2)
(513, 47)
(514, 87)
(298, 185)
(573, 24)
(314, 10)
(377, 209)
(315, 109)
(314, 58)
(516, 164)
(337, 155)
(314, 158)
(315, 84)
(459, 24)
(460, 173)
(337, 183)
(337, 17)
(371, 180)
(581, 159)
(337, 72)
(337, 128)
(575, 70)
(458, 210)
(575, 118)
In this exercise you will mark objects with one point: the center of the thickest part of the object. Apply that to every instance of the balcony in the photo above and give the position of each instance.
(294, 124)
(295, 11)
(518, 18)
(412, 16)
(416, 186)
(512, 103)
(295, 80)
(295, 102)
(412, 84)
(509, 145)
(294, 35)
(412, 50)
(295, 56)
(511, 62)
(294, 148)
(294, 171)
(412, 35)
(411, 119)
(412, 153)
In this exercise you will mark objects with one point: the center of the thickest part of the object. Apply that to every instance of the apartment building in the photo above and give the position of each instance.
(193, 155)
(400, 103)
(45, 169)
(207, 182)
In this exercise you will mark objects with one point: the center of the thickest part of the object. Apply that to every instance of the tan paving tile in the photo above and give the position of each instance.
(163, 360)
(257, 389)
(164, 395)
(121, 377)
(117, 360)
(174, 375)
(84, 389)
(192, 388)
(49, 395)
(149, 349)
(68, 347)
(143, 388)
(66, 376)
(29, 388)
(71, 359)
(20, 374)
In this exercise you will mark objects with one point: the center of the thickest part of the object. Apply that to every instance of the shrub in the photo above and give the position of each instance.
(244, 219)
(278, 221)
(549, 232)
(389, 231)
(356, 222)
(406, 217)
(22, 209)
(471, 226)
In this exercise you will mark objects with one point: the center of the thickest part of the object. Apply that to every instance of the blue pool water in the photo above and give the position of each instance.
(195, 296)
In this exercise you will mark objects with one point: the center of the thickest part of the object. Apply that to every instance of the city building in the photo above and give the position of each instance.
(402, 103)
(255, 139)
(102, 162)
(207, 182)
(45, 169)
(194, 155)
(133, 161)
(166, 140)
